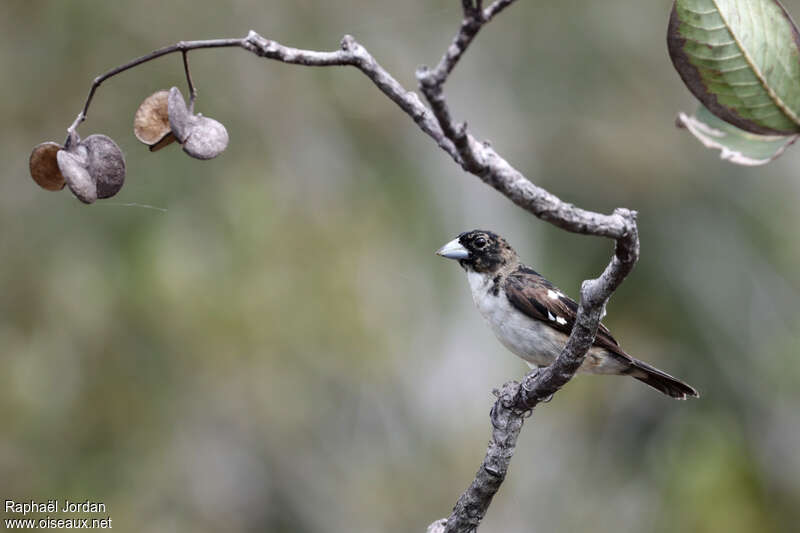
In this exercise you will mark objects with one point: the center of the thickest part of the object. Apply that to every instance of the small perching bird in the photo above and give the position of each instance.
(533, 318)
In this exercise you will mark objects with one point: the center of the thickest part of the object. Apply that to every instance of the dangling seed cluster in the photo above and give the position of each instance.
(94, 168)
(201, 137)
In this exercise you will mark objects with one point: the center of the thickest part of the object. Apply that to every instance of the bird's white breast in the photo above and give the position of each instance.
(532, 340)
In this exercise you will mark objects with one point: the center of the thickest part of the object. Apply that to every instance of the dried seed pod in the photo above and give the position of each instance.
(151, 122)
(73, 165)
(207, 140)
(180, 117)
(201, 137)
(106, 164)
(93, 168)
(44, 169)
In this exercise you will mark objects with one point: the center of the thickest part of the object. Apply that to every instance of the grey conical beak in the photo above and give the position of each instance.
(453, 250)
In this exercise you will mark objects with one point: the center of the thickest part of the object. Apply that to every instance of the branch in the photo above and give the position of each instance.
(514, 400)
(353, 54)
(183, 47)
(503, 177)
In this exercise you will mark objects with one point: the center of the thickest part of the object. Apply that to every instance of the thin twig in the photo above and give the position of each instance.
(182, 46)
(431, 81)
(353, 54)
(192, 89)
(495, 9)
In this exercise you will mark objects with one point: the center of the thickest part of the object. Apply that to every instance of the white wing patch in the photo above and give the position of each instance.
(553, 295)
(554, 318)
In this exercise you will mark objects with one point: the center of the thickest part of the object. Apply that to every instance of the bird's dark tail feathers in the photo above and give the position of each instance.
(661, 381)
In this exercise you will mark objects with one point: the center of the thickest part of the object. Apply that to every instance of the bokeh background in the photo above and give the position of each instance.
(273, 346)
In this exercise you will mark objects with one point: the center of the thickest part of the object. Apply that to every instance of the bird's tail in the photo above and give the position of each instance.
(661, 381)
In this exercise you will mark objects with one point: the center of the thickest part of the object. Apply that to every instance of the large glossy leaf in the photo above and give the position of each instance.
(735, 145)
(741, 58)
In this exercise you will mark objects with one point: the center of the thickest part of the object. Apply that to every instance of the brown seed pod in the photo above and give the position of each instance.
(44, 169)
(151, 121)
(93, 168)
(201, 137)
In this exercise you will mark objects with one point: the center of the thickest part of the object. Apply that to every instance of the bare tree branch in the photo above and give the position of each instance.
(496, 8)
(183, 47)
(514, 400)
(353, 54)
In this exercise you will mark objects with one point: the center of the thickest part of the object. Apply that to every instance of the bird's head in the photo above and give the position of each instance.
(480, 250)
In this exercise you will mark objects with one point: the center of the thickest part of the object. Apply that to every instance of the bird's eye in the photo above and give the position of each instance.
(479, 243)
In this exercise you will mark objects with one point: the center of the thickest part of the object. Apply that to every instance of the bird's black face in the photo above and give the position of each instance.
(479, 250)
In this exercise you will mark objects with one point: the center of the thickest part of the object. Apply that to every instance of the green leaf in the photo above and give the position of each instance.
(736, 145)
(741, 59)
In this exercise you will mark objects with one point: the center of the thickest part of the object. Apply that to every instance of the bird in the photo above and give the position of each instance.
(533, 318)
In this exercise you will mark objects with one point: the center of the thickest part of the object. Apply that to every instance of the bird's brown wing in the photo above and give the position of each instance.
(541, 300)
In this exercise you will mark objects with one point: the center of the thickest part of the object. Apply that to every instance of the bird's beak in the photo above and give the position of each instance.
(453, 250)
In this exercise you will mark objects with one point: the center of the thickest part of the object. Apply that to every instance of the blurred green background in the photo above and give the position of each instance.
(277, 348)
